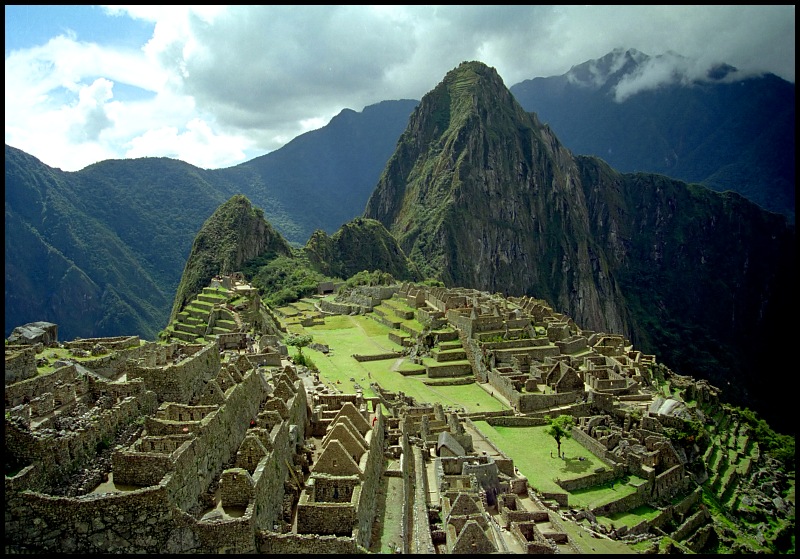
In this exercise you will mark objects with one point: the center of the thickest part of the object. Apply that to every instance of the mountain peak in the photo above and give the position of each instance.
(235, 233)
(609, 68)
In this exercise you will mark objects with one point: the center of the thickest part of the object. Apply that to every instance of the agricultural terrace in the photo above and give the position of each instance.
(534, 453)
(361, 335)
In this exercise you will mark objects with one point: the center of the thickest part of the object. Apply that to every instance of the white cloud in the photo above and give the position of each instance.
(197, 144)
(247, 79)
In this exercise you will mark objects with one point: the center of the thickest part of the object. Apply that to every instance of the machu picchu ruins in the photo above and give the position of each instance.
(216, 439)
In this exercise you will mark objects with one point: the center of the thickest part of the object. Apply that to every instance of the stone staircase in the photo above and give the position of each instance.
(191, 324)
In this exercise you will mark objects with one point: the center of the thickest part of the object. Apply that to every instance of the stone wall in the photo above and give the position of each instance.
(215, 442)
(407, 469)
(272, 543)
(118, 362)
(444, 371)
(20, 364)
(145, 520)
(183, 381)
(33, 387)
(423, 542)
(572, 344)
(594, 446)
(668, 483)
(327, 518)
(590, 480)
(61, 453)
(112, 343)
(626, 503)
(338, 308)
(533, 402)
(137, 521)
(377, 356)
(268, 478)
(504, 386)
(264, 359)
(516, 421)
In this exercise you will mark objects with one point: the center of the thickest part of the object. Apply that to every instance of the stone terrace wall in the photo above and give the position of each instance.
(308, 544)
(338, 308)
(516, 421)
(183, 381)
(20, 364)
(377, 357)
(590, 479)
(534, 402)
(446, 371)
(111, 343)
(626, 503)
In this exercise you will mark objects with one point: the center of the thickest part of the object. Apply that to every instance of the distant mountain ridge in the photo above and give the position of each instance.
(100, 251)
(643, 113)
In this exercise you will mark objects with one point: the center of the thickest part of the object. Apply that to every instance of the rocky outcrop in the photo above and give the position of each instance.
(361, 244)
(481, 193)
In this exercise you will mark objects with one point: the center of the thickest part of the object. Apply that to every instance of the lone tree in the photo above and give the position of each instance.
(560, 428)
(299, 341)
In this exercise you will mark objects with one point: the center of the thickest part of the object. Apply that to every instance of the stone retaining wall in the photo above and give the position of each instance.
(273, 543)
(454, 370)
(533, 402)
(20, 364)
(516, 421)
(182, 381)
(376, 357)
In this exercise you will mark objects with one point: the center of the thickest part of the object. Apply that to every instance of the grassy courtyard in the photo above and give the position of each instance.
(534, 453)
(358, 334)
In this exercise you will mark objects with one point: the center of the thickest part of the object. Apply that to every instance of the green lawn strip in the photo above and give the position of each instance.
(391, 527)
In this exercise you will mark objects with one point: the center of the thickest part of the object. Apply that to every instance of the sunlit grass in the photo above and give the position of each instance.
(358, 334)
(534, 451)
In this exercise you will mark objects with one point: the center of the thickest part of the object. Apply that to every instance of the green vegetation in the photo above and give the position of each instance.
(560, 428)
(376, 277)
(286, 279)
(781, 447)
(299, 341)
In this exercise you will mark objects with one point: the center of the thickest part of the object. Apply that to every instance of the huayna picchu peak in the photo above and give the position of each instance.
(480, 193)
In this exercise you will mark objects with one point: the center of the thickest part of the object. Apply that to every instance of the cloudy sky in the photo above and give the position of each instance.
(216, 86)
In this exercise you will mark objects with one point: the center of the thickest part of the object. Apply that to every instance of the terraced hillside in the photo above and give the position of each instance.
(210, 313)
